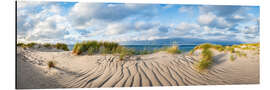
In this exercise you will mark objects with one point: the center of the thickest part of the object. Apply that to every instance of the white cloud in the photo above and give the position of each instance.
(238, 17)
(123, 22)
(24, 4)
(206, 19)
(184, 9)
(82, 13)
(51, 28)
(187, 26)
(115, 29)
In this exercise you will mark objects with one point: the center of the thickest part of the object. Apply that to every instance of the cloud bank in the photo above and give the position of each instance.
(71, 22)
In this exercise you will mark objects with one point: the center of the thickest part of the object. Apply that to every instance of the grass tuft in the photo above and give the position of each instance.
(174, 49)
(206, 59)
(51, 64)
(232, 58)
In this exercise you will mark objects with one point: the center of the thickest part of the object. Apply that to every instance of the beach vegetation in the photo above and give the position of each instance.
(62, 46)
(206, 59)
(51, 64)
(232, 58)
(31, 45)
(207, 46)
(121, 57)
(48, 45)
(95, 47)
(21, 45)
(173, 49)
(230, 49)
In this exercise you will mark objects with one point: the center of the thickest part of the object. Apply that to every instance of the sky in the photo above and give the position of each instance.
(71, 22)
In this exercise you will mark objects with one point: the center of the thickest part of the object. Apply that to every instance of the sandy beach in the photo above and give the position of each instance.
(157, 69)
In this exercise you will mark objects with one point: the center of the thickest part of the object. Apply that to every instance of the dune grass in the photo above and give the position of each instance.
(28, 45)
(230, 49)
(20, 44)
(48, 45)
(61, 46)
(206, 54)
(207, 46)
(232, 58)
(51, 64)
(93, 47)
(206, 59)
(173, 49)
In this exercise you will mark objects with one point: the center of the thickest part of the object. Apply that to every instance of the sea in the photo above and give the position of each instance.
(183, 48)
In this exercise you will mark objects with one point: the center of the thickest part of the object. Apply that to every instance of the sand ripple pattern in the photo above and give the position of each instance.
(177, 72)
(152, 70)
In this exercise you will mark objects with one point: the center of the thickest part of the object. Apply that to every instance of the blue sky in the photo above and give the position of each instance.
(71, 22)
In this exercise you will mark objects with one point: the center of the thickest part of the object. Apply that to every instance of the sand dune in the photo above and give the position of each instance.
(158, 69)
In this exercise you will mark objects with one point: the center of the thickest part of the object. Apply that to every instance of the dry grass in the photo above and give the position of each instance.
(232, 58)
(206, 55)
(51, 64)
(207, 46)
(61, 46)
(206, 59)
(173, 49)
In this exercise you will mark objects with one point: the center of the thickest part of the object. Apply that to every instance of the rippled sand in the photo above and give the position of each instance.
(158, 69)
